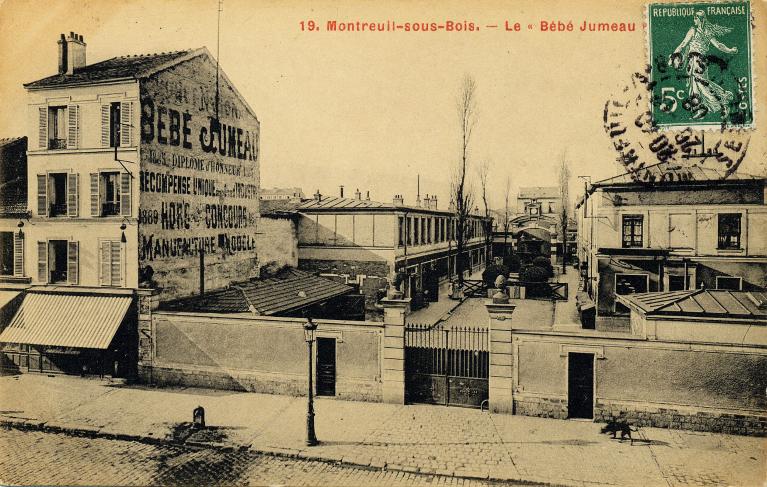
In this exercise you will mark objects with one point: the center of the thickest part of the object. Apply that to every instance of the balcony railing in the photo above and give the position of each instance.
(57, 143)
(110, 209)
(59, 209)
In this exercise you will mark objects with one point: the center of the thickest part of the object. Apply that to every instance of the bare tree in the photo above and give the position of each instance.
(564, 194)
(483, 170)
(461, 190)
(506, 221)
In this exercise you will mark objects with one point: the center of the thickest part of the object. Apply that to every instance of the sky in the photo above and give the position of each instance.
(372, 110)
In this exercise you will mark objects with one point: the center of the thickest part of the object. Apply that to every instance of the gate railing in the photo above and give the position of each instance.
(474, 288)
(460, 352)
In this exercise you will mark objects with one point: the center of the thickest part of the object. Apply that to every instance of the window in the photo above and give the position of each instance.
(428, 230)
(57, 194)
(416, 231)
(109, 192)
(729, 282)
(57, 128)
(58, 261)
(114, 124)
(729, 231)
(401, 231)
(632, 231)
(409, 231)
(110, 272)
(6, 253)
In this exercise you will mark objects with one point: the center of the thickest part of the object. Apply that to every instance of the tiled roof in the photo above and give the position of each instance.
(700, 302)
(673, 172)
(112, 69)
(287, 291)
(538, 192)
(279, 207)
(9, 140)
(13, 197)
(13, 176)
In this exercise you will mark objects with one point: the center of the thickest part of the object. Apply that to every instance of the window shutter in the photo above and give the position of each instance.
(73, 127)
(43, 127)
(105, 276)
(126, 123)
(125, 194)
(42, 195)
(42, 261)
(95, 194)
(72, 194)
(18, 255)
(105, 127)
(73, 264)
(116, 260)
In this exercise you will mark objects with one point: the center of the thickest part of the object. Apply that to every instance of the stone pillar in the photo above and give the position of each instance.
(148, 301)
(395, 314)
(501, 357)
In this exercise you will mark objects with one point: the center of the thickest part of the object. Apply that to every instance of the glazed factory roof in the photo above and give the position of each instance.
(700, 303)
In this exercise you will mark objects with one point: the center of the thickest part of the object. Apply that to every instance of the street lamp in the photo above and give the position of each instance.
(311, 437)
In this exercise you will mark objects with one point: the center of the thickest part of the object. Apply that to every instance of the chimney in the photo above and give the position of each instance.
(367, 195)
(434, 201)
(398, 200)
(62, 55)
(358, 194)
(318, 196)
(74, 52)
(341, 190)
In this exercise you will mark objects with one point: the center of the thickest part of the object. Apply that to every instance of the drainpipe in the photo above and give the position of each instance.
(202, 271)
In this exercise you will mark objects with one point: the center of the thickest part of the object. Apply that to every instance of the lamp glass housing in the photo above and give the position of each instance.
(309, 329)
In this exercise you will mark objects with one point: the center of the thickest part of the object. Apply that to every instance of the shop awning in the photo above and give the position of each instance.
(6, 297)
(67, 320)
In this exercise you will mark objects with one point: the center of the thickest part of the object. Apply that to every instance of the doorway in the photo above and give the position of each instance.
(326, 366)
(580, 382)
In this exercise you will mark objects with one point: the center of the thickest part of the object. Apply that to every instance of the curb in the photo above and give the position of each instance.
(93, 432)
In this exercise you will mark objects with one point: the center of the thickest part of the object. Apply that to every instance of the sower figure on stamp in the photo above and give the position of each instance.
(705, 96)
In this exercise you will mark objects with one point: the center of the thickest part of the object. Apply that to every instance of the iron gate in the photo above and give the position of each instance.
(446, 365)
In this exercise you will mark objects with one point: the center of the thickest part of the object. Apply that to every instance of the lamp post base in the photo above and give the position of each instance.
(311, 437)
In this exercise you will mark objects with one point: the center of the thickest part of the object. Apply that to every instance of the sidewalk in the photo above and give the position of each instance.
(430, 439)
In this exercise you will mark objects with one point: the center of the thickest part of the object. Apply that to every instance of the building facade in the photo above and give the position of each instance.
(359, 237)
(142, 174)
(690, 228)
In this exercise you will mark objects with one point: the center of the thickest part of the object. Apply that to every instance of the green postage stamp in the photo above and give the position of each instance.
(701, 64)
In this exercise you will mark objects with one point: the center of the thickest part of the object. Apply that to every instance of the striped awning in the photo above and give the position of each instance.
(67, 320)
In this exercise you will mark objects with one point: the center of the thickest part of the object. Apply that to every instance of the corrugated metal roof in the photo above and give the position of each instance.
(699, 302)
(67, 320)
(671, 172)
(340, 203)
(7, 296)
(289, 290)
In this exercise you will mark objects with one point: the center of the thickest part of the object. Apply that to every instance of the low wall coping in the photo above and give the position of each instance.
(264, 319)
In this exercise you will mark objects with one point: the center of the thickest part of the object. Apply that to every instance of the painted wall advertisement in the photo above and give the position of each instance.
(198, 181)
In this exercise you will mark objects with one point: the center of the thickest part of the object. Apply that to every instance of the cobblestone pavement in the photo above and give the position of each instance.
(37, 458)
(432, 440)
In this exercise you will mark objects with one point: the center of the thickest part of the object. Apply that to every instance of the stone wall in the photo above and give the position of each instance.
(650, 383)
(277, 242)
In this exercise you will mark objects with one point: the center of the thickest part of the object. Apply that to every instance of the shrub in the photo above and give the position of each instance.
(492, 271)
(533, 273)
(544, 263)
(512, 262)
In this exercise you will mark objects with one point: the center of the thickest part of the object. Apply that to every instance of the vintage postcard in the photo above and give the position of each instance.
(383, 243)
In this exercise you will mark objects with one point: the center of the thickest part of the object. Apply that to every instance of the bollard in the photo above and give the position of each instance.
(198, 417)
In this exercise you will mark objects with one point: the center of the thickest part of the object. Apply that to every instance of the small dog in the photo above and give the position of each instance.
(616, 426)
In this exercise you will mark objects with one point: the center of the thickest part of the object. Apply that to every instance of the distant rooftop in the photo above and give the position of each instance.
(121, 67)
(538, 192)
(336, 202)
(289, 290)
(700, 303)
(673, 173)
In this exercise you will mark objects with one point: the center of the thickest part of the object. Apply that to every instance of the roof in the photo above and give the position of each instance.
(700, 303)
(10, 140)
(674, 172)
(278, 207)
(538, 192)
(67, 320)
(121, 67)
(335, 202)
(288, 290)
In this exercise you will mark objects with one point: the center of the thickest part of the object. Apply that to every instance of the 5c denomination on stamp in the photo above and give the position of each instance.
(701, 64)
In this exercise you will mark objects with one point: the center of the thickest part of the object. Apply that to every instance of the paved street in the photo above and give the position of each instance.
(36, 458)
(434, 440)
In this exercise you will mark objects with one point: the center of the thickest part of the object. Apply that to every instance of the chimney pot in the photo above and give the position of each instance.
(358, 194)
(341, 190)
(367, 195)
